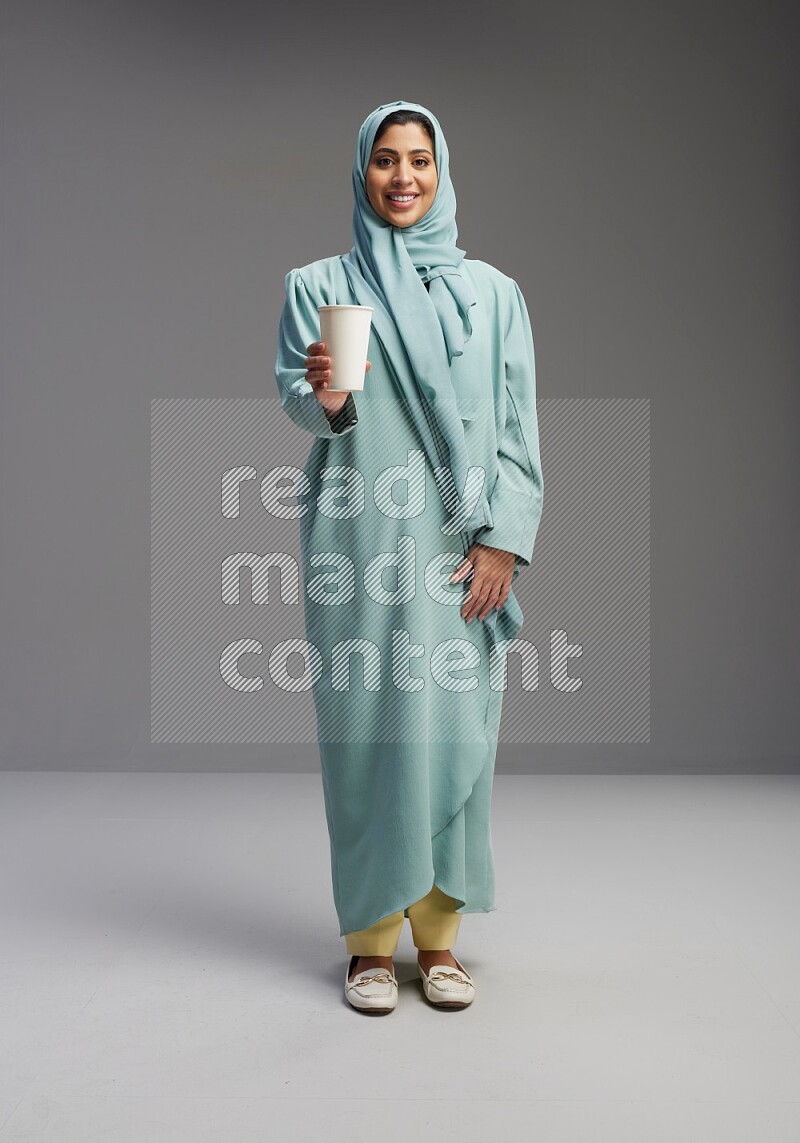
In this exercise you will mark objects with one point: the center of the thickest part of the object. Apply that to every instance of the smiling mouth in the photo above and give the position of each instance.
(402, 199)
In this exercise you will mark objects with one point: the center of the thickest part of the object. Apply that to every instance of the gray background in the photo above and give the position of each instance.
(632, 166)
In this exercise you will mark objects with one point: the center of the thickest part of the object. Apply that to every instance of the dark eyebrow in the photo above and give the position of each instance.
(416, 151)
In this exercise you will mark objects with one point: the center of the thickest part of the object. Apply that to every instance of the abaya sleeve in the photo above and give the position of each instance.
(516, 501)
(299, 326)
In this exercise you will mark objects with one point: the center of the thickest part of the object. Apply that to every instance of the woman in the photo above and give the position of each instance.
(448, 413)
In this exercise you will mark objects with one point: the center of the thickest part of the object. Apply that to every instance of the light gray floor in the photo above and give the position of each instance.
(171, 968)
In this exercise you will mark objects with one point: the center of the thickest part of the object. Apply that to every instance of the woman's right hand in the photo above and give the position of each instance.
(318, 375)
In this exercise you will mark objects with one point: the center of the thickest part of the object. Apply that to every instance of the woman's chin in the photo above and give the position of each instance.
(403, 221)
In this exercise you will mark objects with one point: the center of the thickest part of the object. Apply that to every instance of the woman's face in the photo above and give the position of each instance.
(401, 177)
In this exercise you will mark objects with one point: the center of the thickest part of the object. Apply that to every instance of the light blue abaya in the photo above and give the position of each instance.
(440, 450)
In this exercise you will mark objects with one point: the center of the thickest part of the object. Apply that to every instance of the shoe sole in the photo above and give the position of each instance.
(447, 1004)
(370, 1011)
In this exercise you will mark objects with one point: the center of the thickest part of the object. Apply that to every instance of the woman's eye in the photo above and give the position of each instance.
(382, 159)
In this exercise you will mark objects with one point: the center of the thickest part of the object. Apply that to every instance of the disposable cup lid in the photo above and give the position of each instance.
(320, 308)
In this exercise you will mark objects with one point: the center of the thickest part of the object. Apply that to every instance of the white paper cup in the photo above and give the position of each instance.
(345, 331)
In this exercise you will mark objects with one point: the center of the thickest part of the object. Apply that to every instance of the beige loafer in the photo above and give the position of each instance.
(446, 987)
(373, 991)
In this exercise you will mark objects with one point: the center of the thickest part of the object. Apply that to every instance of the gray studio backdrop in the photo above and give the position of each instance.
(632, 166)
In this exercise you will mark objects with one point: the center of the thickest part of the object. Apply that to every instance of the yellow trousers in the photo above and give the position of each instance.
(434, 925)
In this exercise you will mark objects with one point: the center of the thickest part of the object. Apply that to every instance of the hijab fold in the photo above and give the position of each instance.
(421, 329)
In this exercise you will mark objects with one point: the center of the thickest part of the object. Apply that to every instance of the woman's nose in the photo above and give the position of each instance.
(401, 176)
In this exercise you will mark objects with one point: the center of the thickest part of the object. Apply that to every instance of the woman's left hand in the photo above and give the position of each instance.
(491, 582)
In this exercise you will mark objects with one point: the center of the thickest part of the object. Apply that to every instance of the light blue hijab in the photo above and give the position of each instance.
(421, 330)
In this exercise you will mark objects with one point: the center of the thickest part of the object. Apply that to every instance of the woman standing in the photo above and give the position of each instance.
(408, 733)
